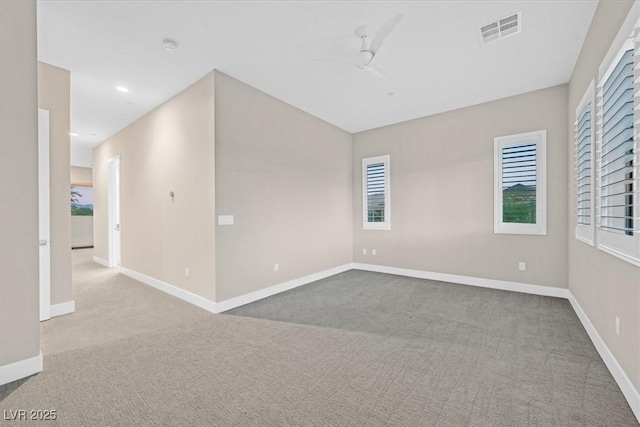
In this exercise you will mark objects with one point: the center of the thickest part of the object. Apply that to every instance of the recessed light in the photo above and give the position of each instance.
(73, 134)
(169, 45)
(122, 89)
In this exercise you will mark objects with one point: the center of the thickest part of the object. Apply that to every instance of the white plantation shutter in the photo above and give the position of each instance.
(520, 201)
(519, 179)
(584, 170)
(616, 149)
(618, 124)
(375, 179)
(583, 166)
(375, 192)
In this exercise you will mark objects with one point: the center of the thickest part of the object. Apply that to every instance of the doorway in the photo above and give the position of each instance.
(44, 221)
(113, 194)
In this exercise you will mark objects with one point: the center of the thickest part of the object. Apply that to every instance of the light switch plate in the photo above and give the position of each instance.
(225, 219)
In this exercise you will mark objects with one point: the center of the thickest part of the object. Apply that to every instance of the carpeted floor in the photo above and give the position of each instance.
(355, 349)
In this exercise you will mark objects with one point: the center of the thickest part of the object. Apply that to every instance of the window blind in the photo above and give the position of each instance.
(617, 149)
(519, 179)
(583, 165)
(376, 192)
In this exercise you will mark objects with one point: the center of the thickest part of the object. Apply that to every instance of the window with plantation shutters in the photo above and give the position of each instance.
(375, 191)
(584, 173)
(616, 149)
(520, 183)
(618, 231)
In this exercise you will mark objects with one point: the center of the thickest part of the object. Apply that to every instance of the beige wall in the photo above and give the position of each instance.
(442, 192)
(286, 177)
(603, 285)
(169, 149)
(19, 316)
(80, 175)
(54, 92)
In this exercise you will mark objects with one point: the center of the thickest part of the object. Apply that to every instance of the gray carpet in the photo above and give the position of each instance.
(355, 349)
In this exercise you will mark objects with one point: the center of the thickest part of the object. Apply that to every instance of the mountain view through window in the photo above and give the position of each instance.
(519, 184)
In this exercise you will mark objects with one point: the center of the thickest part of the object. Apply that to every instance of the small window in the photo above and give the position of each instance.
(584, 171)
(376, 195)
(520, 184)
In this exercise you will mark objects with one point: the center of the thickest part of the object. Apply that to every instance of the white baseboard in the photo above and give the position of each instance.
(625, 384)
(63, 308)
(171, 289)
(102, 262)
(17, 370)
(467, 280)
(219, 307)
(231, 303)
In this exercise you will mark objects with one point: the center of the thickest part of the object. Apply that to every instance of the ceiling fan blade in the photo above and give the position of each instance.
(383, 32)
(376, 71)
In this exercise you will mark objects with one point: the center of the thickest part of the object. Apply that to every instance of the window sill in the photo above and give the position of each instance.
(625, 257)
(383, 227)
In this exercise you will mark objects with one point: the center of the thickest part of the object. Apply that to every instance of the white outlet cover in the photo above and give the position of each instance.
(225, 219)
(364, 252)
(522, 266)
(276, 267)
(373, 251)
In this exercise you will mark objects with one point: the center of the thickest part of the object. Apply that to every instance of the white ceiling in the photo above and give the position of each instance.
(433, 60)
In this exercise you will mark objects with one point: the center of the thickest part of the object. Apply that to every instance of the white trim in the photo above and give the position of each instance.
(44, 213)
(231, 303)
(604, 247)
(526, 288)
(500, 142)
(63, 308)
(228, 304)
(386, 225)
(114, 212)
(182, 294)
(626, 386)
(102, 262)
(21, 369)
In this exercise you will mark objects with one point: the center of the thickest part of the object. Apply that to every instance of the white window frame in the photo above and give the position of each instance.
(622, 246)
(540, 227)
(586, 233)
(386, 225)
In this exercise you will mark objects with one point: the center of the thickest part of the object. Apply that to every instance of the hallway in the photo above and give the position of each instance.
(110, 307)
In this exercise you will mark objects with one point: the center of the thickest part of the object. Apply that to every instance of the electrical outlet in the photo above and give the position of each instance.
(617, 325)
(373, 251)
(276, 267)
(364, 251)
(186, 272)
(522, 266)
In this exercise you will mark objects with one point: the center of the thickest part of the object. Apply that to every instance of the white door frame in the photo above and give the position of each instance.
(113, 195)
(44, 215)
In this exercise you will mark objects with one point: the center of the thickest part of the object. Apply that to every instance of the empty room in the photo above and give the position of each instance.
(368, 213)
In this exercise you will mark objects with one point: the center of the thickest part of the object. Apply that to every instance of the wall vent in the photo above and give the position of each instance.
(501, 28)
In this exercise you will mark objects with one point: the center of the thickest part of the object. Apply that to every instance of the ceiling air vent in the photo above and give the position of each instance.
(501, 28)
